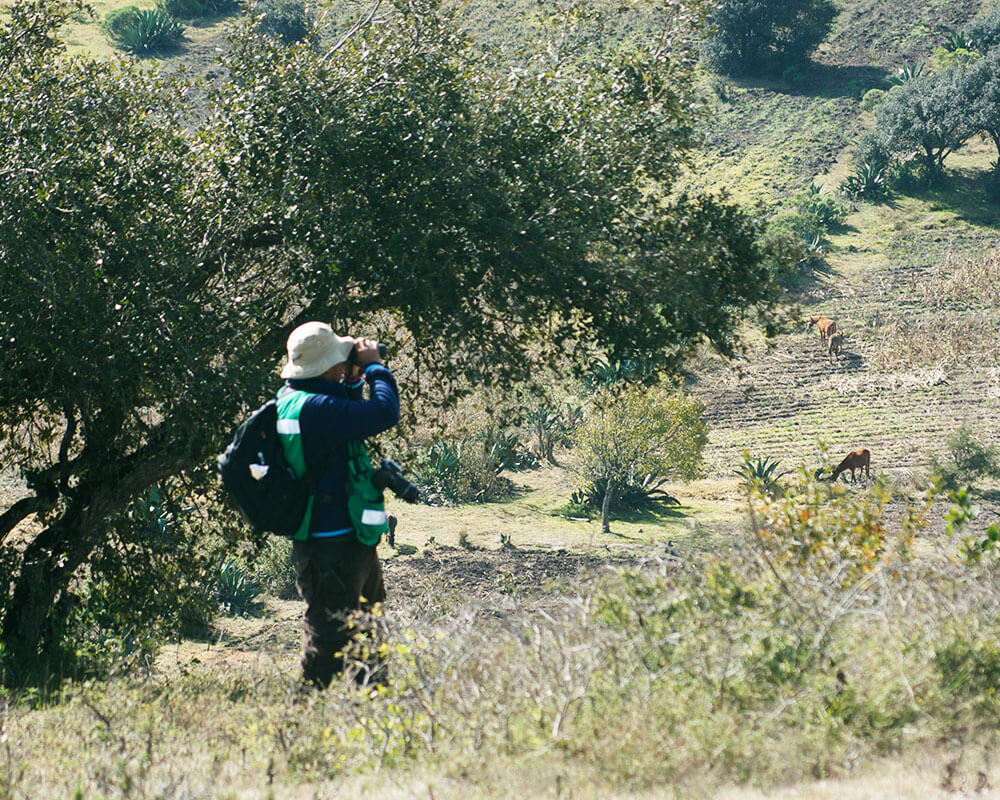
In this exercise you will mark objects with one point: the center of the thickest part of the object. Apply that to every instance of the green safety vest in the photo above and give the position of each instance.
(365, 504)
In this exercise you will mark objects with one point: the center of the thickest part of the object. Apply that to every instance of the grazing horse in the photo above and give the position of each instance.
(826, 327)
(858, 460)
(835, 345)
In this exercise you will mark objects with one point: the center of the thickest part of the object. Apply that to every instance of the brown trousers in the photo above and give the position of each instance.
(333, 575)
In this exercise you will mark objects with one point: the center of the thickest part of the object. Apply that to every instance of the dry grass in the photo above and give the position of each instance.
(966, 279)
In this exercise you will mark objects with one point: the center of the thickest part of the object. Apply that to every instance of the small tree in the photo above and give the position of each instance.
(756, 36)
(638, 432)
(984, 33)
(930, 114)
(984, 80)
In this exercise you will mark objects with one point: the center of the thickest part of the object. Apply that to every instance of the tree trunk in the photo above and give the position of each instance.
(609, 500)
(45, 568)
(47, 565)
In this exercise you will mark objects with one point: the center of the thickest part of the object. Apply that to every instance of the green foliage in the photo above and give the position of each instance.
(194, 9)
(957, 40)
(235, 588)
(966, 461)
(824, 209)
(758, 37)
(871, 159)
(118, 19)
(907, 72)
(272, 569)
(871, 99)
(551, 426)
(968, 668)
(944, 58)
(149, 580)
(929, 114)
(468, 470)
(761, 475)
(152, 264)
(866, 182)
(633, 436)
(147, 31)
(983, 34)
(984, 91)
(288, 20)
(182, 9)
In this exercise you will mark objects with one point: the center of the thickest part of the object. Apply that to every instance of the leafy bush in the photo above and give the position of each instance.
(751, 36)
(967, 461)
(551, 426)
(116, 20)
(147, 31)
(182, 9)
(632, 437)
(273, 571)
(983, 34)
(871, 99)
(907, 72)
(929, 114)
(288, 20)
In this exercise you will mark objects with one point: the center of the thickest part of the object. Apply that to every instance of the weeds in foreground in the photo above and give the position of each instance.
(821, 640)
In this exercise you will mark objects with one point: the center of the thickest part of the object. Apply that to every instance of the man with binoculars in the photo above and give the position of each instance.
(323, 417)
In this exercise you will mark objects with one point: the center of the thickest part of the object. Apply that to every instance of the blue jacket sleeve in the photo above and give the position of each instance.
(330, 421)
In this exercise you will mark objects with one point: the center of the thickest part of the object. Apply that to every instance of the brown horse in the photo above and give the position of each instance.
(858, 460)
(826, 327)
(835, 345)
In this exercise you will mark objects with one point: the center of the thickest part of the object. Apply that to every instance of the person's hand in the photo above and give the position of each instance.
(367, 350)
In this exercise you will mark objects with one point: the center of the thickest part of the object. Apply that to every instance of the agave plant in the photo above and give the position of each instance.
(235, 589)
(148, 31)
(867, 182)
(956, 40)
(908, 72)
(760, 474)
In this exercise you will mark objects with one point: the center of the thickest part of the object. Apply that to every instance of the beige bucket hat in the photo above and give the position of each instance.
(313, 348)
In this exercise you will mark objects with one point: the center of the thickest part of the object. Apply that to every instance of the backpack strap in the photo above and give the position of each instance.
(289, 405)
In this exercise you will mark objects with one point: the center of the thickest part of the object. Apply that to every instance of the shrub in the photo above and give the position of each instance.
(867, 182)
(464, 470)
(871, 99)
(984, 34)
(273, 571)
(116, 20)
(930, 114)
(288, 20)
(966, 461)
(147, 31)
(182, 9)
(751, 36)
(635, 435)
(551, 427)
(944, 58)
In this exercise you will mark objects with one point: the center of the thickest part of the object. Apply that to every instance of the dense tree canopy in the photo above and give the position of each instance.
(931, 114)
(761, 36)
(152, 264)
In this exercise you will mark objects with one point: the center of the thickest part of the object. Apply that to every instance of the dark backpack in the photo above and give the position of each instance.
(275, 501)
